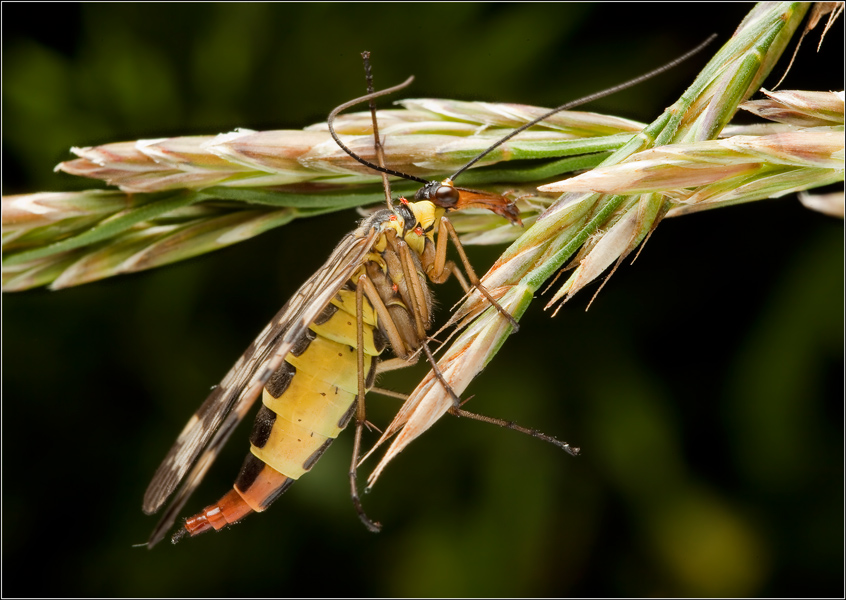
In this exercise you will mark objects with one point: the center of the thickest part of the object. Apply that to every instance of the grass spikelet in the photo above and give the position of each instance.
(609, 221)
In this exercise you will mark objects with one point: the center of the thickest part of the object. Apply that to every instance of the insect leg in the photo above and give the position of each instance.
(397, 344)
(418, 300)
(419, 306)
(471, 273)
(456, 401)
(458, 412)
(441, 268)
(392, 364)
(437, 270)
(360, 415)
(388, 393)
(459, 276)
(377, 143)
(365, 287)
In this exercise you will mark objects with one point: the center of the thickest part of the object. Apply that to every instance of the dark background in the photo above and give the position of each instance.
(704, 385)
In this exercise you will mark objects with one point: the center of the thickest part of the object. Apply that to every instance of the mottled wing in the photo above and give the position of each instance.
(200, 441)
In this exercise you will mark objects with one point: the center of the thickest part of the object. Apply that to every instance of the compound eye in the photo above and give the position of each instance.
(446, 196)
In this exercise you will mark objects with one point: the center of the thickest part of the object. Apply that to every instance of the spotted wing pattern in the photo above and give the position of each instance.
(209, 428)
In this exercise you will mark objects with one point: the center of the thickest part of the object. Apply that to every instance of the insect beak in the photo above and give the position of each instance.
(492, 202)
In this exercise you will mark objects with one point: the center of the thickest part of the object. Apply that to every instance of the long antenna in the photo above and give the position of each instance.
(366, 163)
(546, 115)
(586, 99)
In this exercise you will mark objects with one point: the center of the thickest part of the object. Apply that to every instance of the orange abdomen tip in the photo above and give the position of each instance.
(228, 510)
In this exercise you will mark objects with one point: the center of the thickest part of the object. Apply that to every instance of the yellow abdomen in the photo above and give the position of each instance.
(311, 398)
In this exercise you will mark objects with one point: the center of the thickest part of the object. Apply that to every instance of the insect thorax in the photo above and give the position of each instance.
(413, 222)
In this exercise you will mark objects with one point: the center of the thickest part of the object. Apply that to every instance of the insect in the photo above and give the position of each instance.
(314, 361)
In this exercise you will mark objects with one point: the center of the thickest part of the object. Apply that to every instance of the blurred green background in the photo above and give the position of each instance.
(704, 385)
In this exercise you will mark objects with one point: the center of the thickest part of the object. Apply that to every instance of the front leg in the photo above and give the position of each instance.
(439, 270)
